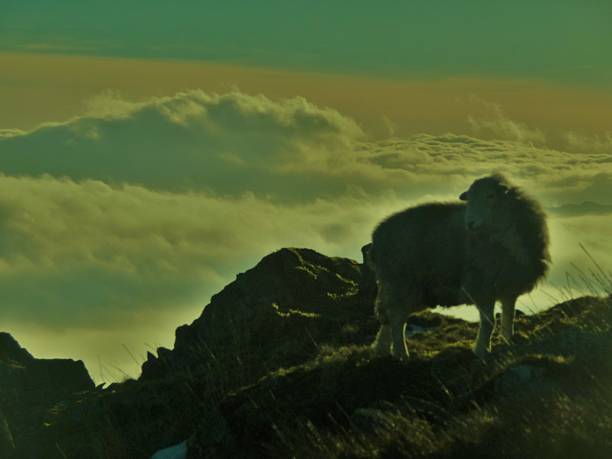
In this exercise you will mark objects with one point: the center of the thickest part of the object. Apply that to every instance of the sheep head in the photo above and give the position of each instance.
(488, 201)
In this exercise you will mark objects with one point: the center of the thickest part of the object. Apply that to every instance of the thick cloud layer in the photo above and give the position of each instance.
(131, 216)
(223, 143)
(290, 150)
(87, 254)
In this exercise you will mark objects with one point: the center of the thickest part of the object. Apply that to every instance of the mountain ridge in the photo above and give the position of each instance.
(278, 364)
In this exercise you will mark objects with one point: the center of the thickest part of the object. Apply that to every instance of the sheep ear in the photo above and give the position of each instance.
(504, 189)
(463, 196)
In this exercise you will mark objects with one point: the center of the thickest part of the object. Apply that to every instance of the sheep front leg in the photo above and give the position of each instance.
(382, 343)
(485, 330)
(507, 325)
(398, 333)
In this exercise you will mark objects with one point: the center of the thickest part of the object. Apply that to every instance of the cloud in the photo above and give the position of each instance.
(133, 214)
(7, 133)
(288, 150)
(492, 123)
(591, 143)
(430, 164)
(96, 255)
(497, 125)
(225, 143)
(584, 208)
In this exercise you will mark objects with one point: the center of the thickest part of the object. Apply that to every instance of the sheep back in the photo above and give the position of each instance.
(421, 251)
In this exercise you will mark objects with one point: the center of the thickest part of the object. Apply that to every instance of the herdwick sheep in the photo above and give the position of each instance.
(493, 246)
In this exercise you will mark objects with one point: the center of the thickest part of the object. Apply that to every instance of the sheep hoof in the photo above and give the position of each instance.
(379, 350)
(401, 356)
(482, 354)
(507, 337)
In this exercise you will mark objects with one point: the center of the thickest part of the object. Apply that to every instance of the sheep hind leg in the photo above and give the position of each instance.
(485, 329)
(382, 343)
(507, 323)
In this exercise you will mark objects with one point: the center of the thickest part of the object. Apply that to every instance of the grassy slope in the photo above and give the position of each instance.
(549, 396)
(298, 380)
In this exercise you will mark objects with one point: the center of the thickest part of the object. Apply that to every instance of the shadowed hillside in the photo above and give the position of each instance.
(278, 365)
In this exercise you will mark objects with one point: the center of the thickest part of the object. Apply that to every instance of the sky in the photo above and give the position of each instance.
(149, 152)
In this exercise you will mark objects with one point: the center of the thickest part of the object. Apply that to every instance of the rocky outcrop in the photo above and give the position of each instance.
(11, 351)
(276, 314)
(23, 375)
(29, 387)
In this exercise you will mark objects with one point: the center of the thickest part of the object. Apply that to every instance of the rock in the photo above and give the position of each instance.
(21, 372)
(516, 376)
(367, 419)
(7, 444)
(178, 451)
(415, 329)
(59, 375)
(11, 351)
(29, 387)
(53, 377)
(289, 304)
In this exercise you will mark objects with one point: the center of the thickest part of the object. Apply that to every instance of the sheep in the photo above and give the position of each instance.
(492, 245)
